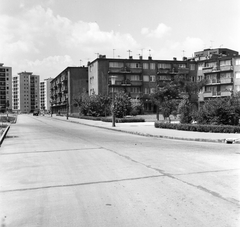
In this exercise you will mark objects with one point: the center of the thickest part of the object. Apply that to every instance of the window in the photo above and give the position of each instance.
(182, 66)
(237, 75)
(152, 90)
(237, 87)
(145, 65)
(164, 66)
(237, 61)
(211, 64)
(226, 62)
(146, 90)
(115, 64)
(152, 65)
(192, 67)
(135, 77)
(152, 78)
(135, 89)
(134, 65)
(145, 78)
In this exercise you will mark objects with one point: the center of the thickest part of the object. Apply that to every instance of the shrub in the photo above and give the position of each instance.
(200, 128)
(123, 120)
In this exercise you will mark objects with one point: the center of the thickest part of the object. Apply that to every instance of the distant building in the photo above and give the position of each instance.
(5, 88)
(25, 92)
(136, 77)
(69, 84)
(45, 93)
(221, 69)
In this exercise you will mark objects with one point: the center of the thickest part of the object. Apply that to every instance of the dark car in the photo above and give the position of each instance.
(35, 113)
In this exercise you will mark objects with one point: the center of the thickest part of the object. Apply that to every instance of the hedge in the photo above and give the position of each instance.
(200, 128)
(124, 120)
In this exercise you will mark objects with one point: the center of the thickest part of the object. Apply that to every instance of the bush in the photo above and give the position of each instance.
(123, 120)
(200, 128)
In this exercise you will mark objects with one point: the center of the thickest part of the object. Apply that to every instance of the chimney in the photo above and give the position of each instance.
(140, 57)
(149, 58)
(130, 57)
(175, 59)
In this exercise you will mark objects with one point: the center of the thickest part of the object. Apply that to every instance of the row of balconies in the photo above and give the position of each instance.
(217, 69)
(210, 94)
(127, 83)
(127, 70)
(221, 81)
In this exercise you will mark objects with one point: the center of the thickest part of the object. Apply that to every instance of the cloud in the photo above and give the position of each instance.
(37, 33)
(159, 32)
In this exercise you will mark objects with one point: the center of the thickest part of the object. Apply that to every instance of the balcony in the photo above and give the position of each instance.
(212, 81)
(125, 70)
(136, 82)
(226, 93)
(64, 89)
(226, 68)
(163, 71)
(183, 70)
(226, 81)
(64, 78)
(127, 83)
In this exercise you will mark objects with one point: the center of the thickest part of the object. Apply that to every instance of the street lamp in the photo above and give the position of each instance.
(113, 80)
(67, 106)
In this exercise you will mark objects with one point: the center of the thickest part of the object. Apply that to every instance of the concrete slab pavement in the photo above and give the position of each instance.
(148, 129)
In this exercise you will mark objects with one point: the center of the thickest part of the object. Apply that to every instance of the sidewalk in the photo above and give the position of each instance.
(148, 129)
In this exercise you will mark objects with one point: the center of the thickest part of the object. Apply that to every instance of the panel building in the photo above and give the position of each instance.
(5, 88)
(69, 84)
(137, 77)
(45, 93)
(25, 92)
(220, 68)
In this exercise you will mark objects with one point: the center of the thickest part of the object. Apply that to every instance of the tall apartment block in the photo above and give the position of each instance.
(25, 92)
(137, 77)
(221, 69)
(5, 88)
(45, 93)
(69, 84)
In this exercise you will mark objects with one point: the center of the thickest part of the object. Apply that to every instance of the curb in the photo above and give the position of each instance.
(150, 135)
(4, 134)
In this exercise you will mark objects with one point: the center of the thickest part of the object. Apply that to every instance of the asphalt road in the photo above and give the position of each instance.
(55, 173)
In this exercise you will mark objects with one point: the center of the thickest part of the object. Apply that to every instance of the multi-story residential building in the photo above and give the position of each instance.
(69, 84)
(5, 88)
(25, 92)
(219, 68)
(45, 88)
(137, 77)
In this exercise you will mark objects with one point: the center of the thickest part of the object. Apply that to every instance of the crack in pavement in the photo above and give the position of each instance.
(80, 184)
(47, 151)
(199, 187)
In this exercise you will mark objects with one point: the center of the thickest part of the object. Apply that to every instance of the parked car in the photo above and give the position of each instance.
(35, 113)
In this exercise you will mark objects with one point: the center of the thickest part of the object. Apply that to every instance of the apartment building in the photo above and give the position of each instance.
(137, 77)
(5, 88)
(69, 84)
(45, 93)
(25, 92)
(220, 68)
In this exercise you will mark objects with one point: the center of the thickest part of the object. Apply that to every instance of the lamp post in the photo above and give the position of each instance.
(67, 105)
(113, 80)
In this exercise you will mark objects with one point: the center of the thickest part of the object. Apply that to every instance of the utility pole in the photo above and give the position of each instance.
(129, 52)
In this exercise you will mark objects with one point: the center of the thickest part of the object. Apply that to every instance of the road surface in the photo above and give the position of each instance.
(55, 173)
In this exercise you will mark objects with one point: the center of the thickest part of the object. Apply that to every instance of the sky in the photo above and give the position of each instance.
(46, 36)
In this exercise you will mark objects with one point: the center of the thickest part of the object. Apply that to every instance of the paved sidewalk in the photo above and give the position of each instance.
(148, 129)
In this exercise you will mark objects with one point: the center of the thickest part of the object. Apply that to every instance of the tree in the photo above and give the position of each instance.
(166, 98)
(122, 104)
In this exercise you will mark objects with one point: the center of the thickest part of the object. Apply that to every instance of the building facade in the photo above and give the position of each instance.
(137, 77)
(45, 93)
(5, 88)
(69, 84)
(25, 92)
(220, 68)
